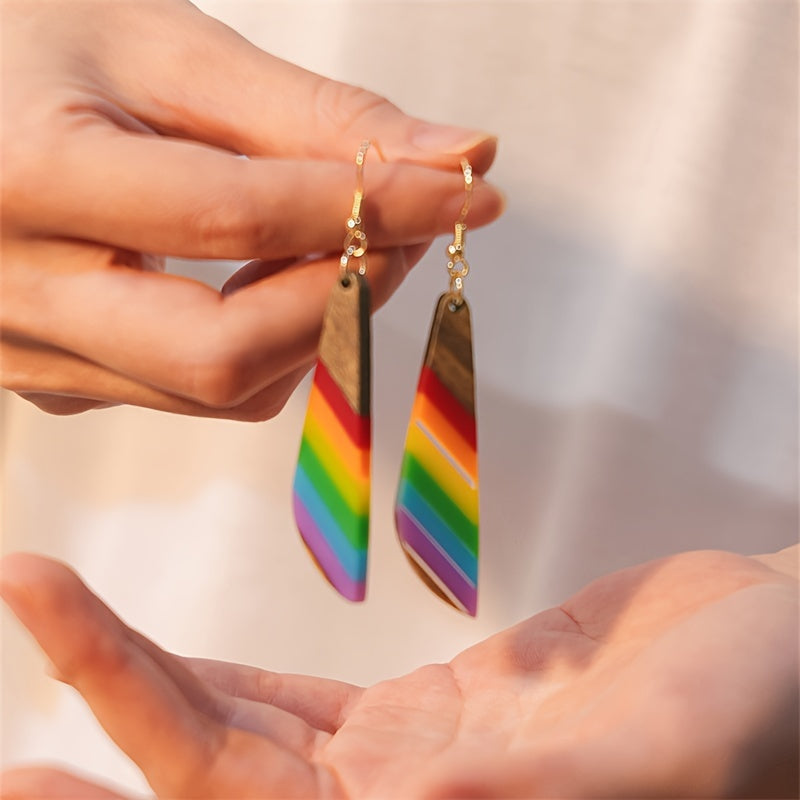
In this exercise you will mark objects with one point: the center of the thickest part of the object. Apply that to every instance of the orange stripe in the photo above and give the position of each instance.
(352, 456)
(447, 436)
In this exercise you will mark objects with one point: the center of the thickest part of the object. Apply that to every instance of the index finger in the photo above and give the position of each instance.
(150, 193)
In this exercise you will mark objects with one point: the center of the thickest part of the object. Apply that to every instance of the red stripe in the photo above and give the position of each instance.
(431, 386)
(357, 427)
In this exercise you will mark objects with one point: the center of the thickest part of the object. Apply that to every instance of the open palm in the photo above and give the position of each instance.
(673, 678)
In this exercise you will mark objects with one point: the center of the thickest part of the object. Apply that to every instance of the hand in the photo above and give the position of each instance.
(123, 123)
(677, 678)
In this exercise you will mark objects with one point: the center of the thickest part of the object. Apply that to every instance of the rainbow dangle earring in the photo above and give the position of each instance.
(332, 480)
(436, 511)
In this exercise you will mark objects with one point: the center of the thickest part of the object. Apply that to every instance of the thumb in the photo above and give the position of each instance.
(248, 101)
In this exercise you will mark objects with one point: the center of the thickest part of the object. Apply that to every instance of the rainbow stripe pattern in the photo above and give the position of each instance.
(436, 512)
(332, 480)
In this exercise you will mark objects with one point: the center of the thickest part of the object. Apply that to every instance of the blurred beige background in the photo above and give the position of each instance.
(636, 345)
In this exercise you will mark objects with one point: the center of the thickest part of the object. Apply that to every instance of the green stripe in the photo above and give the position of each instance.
(349, 521)
(349, 484)
(466, 530)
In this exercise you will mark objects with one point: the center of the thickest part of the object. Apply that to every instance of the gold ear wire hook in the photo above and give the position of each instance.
(358, 196)
(461, 226)
(355, 240)
(457, 265)
(466, 168)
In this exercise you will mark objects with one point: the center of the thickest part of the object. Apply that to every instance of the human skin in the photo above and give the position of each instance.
(123, 127)
(675, 678)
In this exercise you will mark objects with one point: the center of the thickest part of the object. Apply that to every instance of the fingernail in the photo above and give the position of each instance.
(448, 139)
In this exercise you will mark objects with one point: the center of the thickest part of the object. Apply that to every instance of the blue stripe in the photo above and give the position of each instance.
(437, 529)
(352, 559)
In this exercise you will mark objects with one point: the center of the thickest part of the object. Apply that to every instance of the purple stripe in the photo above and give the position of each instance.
(413, 536)
(324, 555)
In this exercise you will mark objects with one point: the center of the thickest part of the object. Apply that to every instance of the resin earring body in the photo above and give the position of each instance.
(436, 511)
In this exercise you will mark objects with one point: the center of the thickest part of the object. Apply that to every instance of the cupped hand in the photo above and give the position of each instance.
(124, 126)
(676, 678)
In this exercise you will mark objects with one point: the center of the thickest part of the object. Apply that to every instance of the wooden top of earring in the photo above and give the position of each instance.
(345, 340)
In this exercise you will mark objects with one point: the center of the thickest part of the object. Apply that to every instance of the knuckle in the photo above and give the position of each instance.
(35, 151)
(343, 106)
(218, 377)
(223, 382)
(98, 652)
(214, 384)
(267, 686)
(228, 223)
(265, 405)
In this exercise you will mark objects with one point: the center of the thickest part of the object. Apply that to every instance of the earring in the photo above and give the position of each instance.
(436, 511)
(332, 481)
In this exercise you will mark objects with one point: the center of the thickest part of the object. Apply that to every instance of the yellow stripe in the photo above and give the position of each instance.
(351, 480)
(349, 453)
(440, 468)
